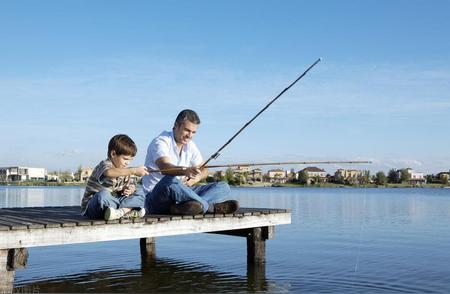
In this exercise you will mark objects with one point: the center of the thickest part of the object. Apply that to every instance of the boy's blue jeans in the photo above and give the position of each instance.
(171, 190)
(104, 199)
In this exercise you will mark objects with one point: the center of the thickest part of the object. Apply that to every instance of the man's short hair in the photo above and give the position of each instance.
(122, 145)
(189, 115)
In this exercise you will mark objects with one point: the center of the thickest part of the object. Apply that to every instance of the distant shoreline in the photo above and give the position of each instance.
(331, 185)
(255, 185)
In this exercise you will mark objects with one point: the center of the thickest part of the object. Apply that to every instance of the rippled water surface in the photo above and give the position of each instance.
(340, 240)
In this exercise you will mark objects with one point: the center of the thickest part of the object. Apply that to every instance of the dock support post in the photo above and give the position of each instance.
(256, 256)
(10, 260)
(6, 274)
(148, 249)
(256, 244)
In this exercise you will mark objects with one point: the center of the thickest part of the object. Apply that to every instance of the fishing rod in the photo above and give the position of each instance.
(257, 164)
(217, 153)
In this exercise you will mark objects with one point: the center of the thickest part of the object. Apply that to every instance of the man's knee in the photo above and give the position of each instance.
(223, 186)
(169, 180)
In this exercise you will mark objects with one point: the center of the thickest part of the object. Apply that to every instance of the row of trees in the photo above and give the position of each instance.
(380, 178)
(230, 177)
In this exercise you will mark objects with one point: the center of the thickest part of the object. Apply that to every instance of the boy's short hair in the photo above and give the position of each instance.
(189, 115)
(122, 145)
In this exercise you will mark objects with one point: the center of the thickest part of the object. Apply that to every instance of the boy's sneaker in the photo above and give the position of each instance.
(229, 206)
(135, 213)
(190, 207)
(112, 213)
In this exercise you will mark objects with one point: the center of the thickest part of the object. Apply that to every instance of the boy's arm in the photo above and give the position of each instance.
(115, 172)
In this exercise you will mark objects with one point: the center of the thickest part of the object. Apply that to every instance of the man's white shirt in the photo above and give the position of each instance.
(165, 146)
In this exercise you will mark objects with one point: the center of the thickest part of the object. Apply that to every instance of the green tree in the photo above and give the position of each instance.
(364, 178)
(404, 175)
(66, 176)
(303, 177)
(229, 176)
(218, 176)
(380, 178)
(444, 180)
(393, 176)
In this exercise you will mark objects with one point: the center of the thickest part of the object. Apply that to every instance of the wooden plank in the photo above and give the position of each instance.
(150, 220)
(13, 225)
(47, 216)
(121, 231)
(31, 224)
(23, 219)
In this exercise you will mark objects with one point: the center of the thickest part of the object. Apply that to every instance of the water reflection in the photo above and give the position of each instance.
(40, 196)
(159, 275)
(340, 241)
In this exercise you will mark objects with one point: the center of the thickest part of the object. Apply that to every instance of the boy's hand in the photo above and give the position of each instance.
(140, 171)
(128, 190)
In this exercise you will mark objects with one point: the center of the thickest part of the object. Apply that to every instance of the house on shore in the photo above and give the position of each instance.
(315, 175)
(443, 176)
(22, 173)
(352, 176)
(276, 176)
(83, 174)
(255, 175)
(415, 178)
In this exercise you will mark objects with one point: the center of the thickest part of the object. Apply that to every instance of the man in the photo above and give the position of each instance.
(173, 190)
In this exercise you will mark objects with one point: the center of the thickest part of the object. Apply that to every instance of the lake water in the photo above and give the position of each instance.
(340, 240)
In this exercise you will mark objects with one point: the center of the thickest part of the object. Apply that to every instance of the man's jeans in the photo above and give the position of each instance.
(104, 199)
(171, 190)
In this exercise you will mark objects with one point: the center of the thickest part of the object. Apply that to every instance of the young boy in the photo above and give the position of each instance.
(110, 194)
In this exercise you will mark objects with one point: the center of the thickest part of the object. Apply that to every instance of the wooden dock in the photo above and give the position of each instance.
(21, 228)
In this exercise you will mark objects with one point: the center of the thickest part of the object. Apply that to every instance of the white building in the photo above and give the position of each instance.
(276, 176)
(21, 173)
(314, 172)
(315, 175)
(413, 175)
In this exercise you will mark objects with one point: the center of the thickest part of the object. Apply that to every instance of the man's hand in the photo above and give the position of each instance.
(191, 181)
(140, 171)
(192, 172)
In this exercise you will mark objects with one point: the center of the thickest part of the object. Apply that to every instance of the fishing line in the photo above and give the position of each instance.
(217, 153)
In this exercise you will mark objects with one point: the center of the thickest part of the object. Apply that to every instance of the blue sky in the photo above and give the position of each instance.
(75, 73)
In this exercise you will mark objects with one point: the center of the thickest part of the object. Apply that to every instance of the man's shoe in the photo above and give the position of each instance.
(190, 207)
(135, 213)
(112, 214)
(229, 206)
